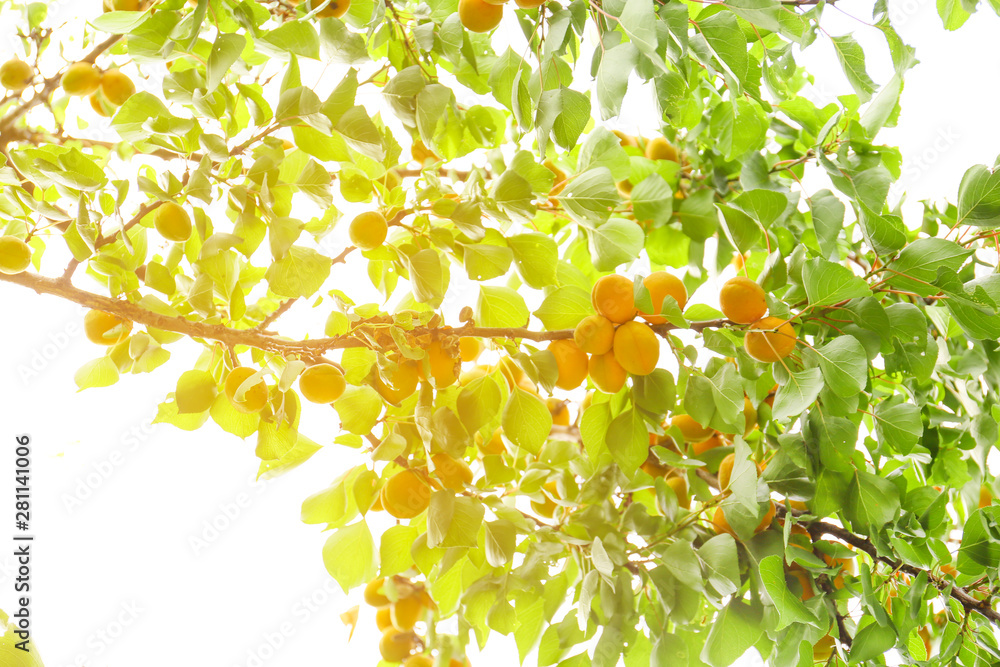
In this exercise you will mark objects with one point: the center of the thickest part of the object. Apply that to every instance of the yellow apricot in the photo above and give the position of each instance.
(652, 466)
(98, 104)
(661, 284)
(405, 495)
(690, 429)
(254, 398)
(625, 188)
(721, 525)
(799, 574)
(742, 300)
(402, 383)
(606, 373)
(529, 4)
(117, 87)
(559, 411)
(626, 140)
(613, 297)
(395, 646)
(322, 383)
(985, 496)
(373, 593)
(595, 334)
(15, 255)
(383, 618)
(368, 230)
(172, 222)
(547, 507)
(420, 660)
(559, 180)
(104, 328)
(454, 474)
(16, 75)
(494, 445)
(445, 368)
(770, 339)
(420, 153)
(571, 362)
(659, 148)
(680, 488)
(713, 441)
(122, 5)
(405, 612)
(823, 649)
(470, 348)
(637, 348)
(726, 471)
(81, 79)
(335, 9)
(479, 16)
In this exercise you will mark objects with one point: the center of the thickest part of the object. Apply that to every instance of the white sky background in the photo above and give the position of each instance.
(117, 579)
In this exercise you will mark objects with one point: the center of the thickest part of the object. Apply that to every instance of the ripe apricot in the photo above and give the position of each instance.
(652, 466)
(368, 230)
(805, 583)
(823, 649)
(420, 660)
(659, 148)
(402, 383)
(383, 618)
(770, 339)
(104, 328)
(606, 373)
(529, 4)
(721, 525)
(680, 488)
(470, 348)
(335, 9)
(117, 87)
(690, 429)
(726, 471)
(455, 662)
(195, 393)
(559, 411)
(122, 5)
(637, 348)
(322, 383)
(100, 105)
(613, 298)
(454, 474)
(405, 612)
(444, 367)
(395, 646)
(559, 180)
(16, 75)
(626, 140)
(713, 441)
(625, 188)
(374, 595)
(420, 153)
(479, 16)
(15, 255)
(254, 398)
(595, 334)
(81, 79)
(473, 374)
(847, 565)
(985, 496)
(405, 495)
(548, 507)
(571, 362)
(172, 222)
(661, 284)
(742, 300)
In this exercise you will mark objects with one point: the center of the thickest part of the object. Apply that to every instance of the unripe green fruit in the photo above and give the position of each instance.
(81, 79)
(15, 255)
(196, 391)
(172, 222)
(117, 87)
(16, 75)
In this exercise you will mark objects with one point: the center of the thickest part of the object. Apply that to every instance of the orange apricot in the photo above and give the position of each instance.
(690, 429)
(454, 474)
(606, 373)
(637, 348)
(254, 397)
(81, 79)
(405, 495)
(659, 148)
(805, 583)
(373, 593)
(680, 487)
(742, 300)
(494, 445)
(713, 441)
(985, 496)
(395, 646)
(613, 297)
(595, 334)
(770, 339)
(661, 284)
(116, 87)
(104, 328)
(726, 471)
(368, 230)
(478, 15)
(721, 525)
(470, 348)
(402, 383)
(405, 612)
(571, 362)
(559, 411)
(419, 660)
(321, 383)
(383, 618)
(444, 367)
(559, 180)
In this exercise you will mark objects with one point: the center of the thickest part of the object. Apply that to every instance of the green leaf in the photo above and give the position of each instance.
(299, 273)
(526, 421)
(478, 403)
(536, 257)
(628, 441)
(828, 221)
(979, 197)
(612, 78)
(722, 564)
(97, 373)
(593, 431)
(484, 261)
(871, 642)
(615, 242)
(298, 37)
(872, 502)
(789, 606)
(736, 628)
(827, 283)
(564, 307)
(719, 31)
(898, 426)
(453, 521)
(225, 52)
(350, 557)
(590, 196)
(500, 307)
(852, 61)
(798, 393)
(980, 550)
(844, 365)
(501, 537)
(394, 549)
(359, 408)
(652, 199)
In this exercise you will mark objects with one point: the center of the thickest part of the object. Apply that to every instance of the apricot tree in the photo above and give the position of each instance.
(543, 447)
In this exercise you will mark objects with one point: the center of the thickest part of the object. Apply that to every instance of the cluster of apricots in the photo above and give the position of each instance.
(408, 492)
(485, 15)
(108, 90)
(768, 339)
(657, 148)
(400, 605)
